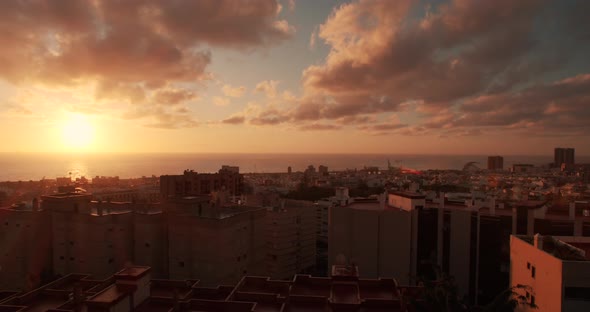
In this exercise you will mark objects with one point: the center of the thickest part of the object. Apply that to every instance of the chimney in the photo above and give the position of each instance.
(572, 213)
(538, 241)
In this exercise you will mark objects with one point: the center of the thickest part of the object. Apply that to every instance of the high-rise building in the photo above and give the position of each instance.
(564, 156)
(192, 183)
(291, 238)
(555, 272)
(214, 243)
(495, 163)
(25, 248)
(323, 170)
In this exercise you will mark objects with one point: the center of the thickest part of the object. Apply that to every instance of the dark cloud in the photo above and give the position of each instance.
(319, 127)
(464, 68)
(234, 120)
(173, 96)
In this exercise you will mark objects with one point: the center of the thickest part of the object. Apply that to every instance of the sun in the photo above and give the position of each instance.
(77, 132)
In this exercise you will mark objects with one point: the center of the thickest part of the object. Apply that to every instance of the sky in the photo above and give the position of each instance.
(295, 76)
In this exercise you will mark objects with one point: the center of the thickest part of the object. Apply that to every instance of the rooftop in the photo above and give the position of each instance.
(342, 292)
(559, 248)
(407, 194)
(133, 273)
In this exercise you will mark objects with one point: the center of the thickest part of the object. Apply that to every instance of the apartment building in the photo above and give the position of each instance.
(25, 247)
(217, 244)
(556, 271)
(413, 238)
(192, 183)
(291, 238)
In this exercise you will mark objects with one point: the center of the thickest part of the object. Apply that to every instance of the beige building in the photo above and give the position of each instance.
(25, 248)
(87, 236)
(215, 243)
(291, 238)
(187, 237)
(192, 183)
(556, 269)
(373, 236)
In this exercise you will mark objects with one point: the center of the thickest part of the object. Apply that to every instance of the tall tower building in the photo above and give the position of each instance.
(495, 163)
(564, 156)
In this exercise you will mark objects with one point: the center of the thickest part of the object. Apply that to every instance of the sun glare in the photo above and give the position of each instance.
(77, 132)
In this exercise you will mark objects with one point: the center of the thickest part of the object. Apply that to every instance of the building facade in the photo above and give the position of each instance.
(556, 271)
(192, 183)
(564, 156)
(495, 163)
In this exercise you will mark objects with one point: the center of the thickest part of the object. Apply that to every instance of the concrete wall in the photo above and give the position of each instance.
(216, 251)
(394, 245)
(151, 243)
(25, 249)
(378, 241)
(547, 283)
(460, 247)
(404, 203)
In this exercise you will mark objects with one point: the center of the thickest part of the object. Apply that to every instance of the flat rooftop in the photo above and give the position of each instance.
(407, 194)
(110, 296)
(134, 273)
(560, 249)
(365, 206)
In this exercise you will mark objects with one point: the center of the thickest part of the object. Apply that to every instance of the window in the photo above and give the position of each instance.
(532, 300)
(528, 265)
(533, 272)
(528, 295)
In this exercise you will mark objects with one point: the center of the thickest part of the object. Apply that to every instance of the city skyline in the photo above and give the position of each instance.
(392, 77)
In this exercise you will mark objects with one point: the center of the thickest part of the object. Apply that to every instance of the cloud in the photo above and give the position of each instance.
(132, 50)
(233, 92)
(161, 117)
(319, 127)
(289, 96)
(445, 68)
(291, 5)
(234, 120)
(268, 87)
(220, 101)
(173, 96)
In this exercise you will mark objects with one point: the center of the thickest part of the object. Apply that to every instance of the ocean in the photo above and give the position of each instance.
(24, 167)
